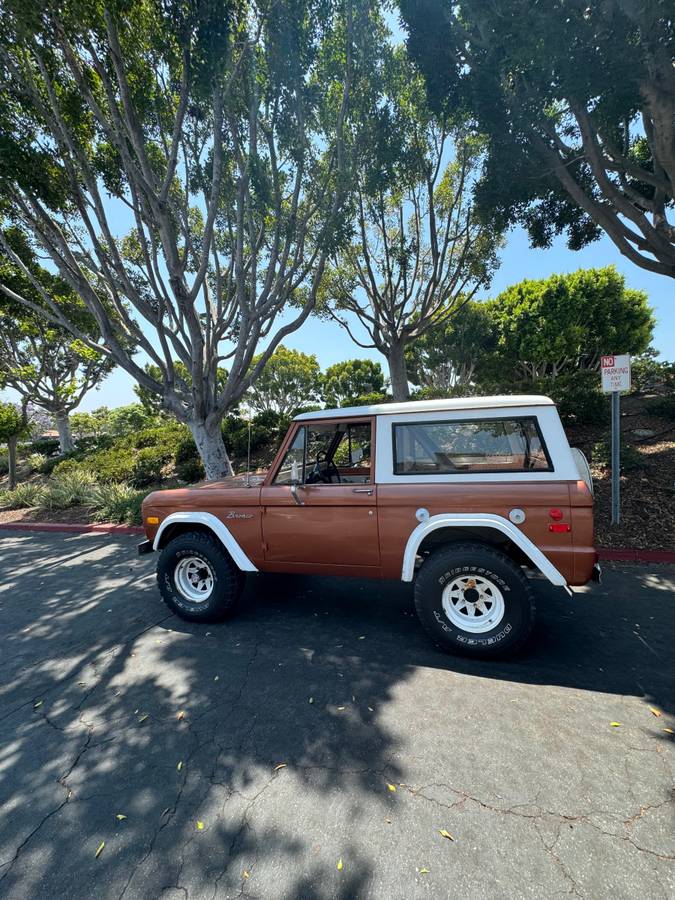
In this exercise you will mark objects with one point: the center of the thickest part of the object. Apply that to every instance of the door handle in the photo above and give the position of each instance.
(362, 490)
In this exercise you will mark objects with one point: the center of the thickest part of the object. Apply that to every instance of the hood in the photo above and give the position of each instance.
(241, 490)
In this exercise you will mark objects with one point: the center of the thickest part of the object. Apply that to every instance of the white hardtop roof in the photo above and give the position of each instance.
(421, 406)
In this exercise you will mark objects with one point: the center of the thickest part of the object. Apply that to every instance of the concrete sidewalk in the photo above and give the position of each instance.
(316, 745)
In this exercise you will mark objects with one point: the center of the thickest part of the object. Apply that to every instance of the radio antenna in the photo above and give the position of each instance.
(248, 457)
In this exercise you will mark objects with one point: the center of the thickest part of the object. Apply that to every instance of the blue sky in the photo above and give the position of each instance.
(331, 344)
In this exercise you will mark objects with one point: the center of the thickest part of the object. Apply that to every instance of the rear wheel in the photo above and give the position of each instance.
(472, 599)
(197, 578)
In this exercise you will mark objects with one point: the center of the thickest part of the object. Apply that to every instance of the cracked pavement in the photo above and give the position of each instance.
(321, 725)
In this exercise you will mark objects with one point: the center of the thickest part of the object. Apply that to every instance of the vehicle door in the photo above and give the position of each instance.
(320, 505)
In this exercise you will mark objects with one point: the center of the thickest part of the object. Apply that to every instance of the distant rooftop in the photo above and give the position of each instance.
(418, 406)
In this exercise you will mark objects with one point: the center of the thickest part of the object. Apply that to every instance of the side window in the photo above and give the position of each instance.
(487, 445)
(293, 461)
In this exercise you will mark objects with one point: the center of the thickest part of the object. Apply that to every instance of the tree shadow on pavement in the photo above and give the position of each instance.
(207, 755)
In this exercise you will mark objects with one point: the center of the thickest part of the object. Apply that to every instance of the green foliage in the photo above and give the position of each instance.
(562, 91)
(448, 357)
(116, 503)
(649, 374)
(289, 379)
(116, 464)
(12, 423)
(190, 470)
(39, 359)
(345, 381)
(664, 407)
(631, 460)
(553, 324)
(4, 462)
(149, 463)
(578, 396)
(23, 496)
(35, 462)
(67, 489)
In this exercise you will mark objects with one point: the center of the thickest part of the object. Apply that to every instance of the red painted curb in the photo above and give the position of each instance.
(72, 528)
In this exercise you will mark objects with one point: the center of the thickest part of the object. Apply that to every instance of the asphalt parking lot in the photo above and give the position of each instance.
(317, 745)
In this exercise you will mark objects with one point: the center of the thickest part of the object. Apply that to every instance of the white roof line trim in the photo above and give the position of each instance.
(419, 406)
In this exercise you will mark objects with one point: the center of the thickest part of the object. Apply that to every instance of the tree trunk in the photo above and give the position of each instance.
(398, 372)
(63, 427)
(209, 441)
(11, 455)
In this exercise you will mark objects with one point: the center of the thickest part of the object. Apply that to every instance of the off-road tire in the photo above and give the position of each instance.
(457, 561)
(227, 579)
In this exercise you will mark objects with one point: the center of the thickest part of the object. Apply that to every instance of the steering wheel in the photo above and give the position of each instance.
(324, 475)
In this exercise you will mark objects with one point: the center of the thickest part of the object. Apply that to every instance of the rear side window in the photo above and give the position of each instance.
(469, 446)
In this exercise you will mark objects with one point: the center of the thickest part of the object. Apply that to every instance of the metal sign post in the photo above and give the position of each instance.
(616, 378)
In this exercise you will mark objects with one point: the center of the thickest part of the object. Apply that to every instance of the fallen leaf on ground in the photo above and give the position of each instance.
(99, 849)
(654, 711)
(217, 678)
(362, 637)
(669, 731)
(340, 708)
(446, 834)
(423, 871)
(142, 718)
(245, 874)
(311, 699)
(339, 865)
(38, 704)
(200, 826)
(280, 766)
(180, 765)
(391, 787)
(120, 817)
(615, 724)
(181, 715)
(371, 709)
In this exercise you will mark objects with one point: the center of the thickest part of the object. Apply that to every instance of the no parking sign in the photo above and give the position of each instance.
(615, 372)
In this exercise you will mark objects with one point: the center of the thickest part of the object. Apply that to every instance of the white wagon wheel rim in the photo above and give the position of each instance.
(473, 603)
(194, 579)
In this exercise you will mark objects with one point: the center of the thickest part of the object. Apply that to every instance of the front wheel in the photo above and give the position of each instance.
(472, 599)
(197, 579)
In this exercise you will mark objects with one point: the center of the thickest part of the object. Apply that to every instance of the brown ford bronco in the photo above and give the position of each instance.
(463, 497)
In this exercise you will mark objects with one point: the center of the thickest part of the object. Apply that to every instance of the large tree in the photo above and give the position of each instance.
(578, 100)
(345, 382)
(215, 129)
(289, 380)
(13, 424)
(419, 253)
(453, 354)
(549, 326)
(42, 361)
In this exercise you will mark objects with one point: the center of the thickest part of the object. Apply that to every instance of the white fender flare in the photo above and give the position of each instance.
(482, 520)
(221, 531)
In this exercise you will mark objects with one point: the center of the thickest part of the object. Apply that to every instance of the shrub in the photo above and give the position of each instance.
(190, 470)
(46, 446)
(116, 503)
(664, 407)
(630, 459)
(4, 462)
(68, 489)
(148, 465)
(169, 435)
(116, 464)
(35, 462)
(24, 496)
